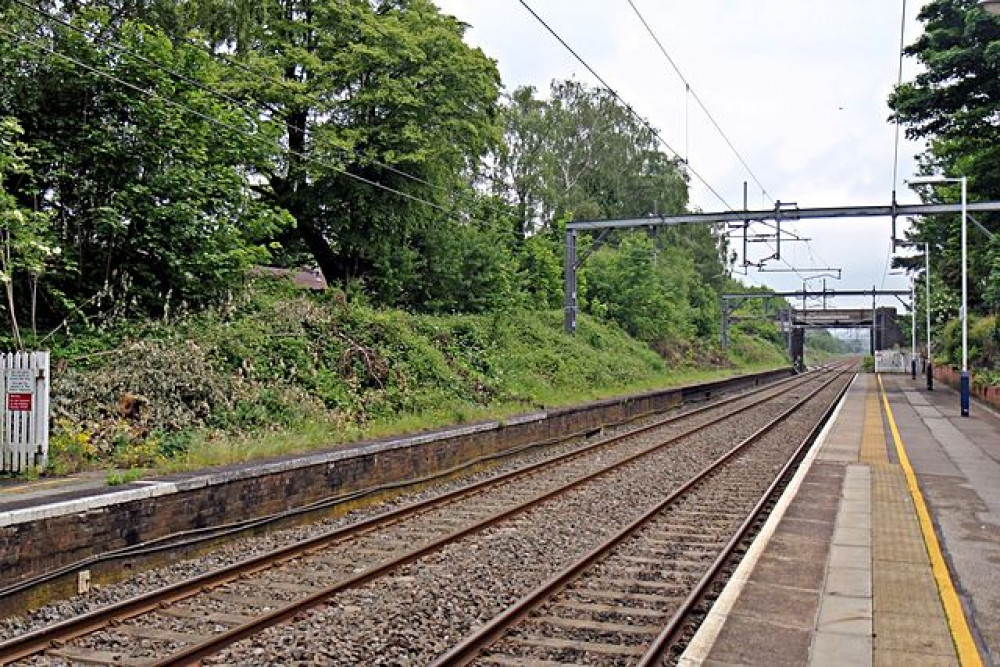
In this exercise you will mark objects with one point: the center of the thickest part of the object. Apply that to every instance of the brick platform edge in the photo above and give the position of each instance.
(952, 376)
(34, 540)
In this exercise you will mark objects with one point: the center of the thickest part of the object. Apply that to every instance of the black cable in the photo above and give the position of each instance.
(690, 89)
(247, 106)
(215, 121)
(266, 105)
(614, 93)
(697, 99)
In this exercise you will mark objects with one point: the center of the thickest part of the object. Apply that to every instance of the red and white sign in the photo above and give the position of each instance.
(19, 402)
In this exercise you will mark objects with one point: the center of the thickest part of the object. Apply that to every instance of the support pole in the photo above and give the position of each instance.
(965, 302)
(872, 345)
(725, 324)
(569, 287)
(746, 227)
(913, 328)
(927, 307)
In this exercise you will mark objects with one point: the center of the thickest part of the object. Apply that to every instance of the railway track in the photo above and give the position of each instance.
(195, 619)
(628, 601)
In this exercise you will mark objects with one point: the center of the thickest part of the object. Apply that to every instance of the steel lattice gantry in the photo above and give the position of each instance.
(777, 214)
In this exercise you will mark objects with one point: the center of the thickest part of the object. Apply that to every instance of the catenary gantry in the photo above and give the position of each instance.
(778, 214)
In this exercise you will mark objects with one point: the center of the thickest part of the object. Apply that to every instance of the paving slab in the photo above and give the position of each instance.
(956, 461)
(876, 597)
(836, 650)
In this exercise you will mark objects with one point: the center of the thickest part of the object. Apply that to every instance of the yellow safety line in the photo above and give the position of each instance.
(34, 485)
(965, 645)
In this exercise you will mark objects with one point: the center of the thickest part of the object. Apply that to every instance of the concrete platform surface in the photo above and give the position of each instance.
(885, 550)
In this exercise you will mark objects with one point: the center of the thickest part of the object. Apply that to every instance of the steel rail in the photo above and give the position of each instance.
(58, 634)
(197, 652)
(188, 538)
(668, 636)
(469, 649)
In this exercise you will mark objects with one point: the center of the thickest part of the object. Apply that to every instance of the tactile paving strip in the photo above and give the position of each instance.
(910, 625)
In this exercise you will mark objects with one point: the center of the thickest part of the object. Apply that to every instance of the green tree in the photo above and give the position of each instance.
(25, 236)
(580, 155)
(654, 294)
(953, 104)
(364, 91)
(142, 173)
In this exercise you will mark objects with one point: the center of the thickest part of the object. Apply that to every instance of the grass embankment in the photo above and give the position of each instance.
(281, 371)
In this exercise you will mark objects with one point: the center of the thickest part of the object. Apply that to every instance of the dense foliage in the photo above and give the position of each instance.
(954, 104)
(227, 382)
(151, 153)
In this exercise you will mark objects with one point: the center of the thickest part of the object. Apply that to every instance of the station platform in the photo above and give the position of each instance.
(884, 549)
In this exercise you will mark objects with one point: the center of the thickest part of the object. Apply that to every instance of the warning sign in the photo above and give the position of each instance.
(19, 402)
(20, 381)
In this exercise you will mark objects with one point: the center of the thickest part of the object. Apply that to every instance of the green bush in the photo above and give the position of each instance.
(984, 343)
(278, 359)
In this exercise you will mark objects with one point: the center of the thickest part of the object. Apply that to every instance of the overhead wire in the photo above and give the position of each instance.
(690, 92)
(255, 108)
(899, 83)
(219, 123)
(895, 157)
(628, 107)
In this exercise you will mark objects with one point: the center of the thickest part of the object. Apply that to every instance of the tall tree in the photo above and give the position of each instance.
(26, 245)
(578, 155)
(954, 104)
(141, 172)
(364, 91)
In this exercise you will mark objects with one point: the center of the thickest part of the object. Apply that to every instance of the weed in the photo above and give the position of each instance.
(281, 371)
(71, 448)
(120, 477)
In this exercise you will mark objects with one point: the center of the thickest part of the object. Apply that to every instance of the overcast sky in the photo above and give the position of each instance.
(799, 87)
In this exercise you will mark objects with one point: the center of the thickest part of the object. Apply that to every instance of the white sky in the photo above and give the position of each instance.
(799, 87)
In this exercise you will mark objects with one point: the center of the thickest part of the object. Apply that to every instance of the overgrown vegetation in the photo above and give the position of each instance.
(984, 348)
(953, 105)
(153, 154)
(279, 369)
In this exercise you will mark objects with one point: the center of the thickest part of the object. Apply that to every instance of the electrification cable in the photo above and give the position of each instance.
(632, 111)
(690, 89)
(221, 95)
(899, 83)
(628, 107)
(691, 92)
(215, 121)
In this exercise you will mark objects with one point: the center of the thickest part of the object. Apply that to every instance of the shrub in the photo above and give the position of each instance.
(71, 448)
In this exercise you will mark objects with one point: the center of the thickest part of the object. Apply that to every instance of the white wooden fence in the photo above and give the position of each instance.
(892, 361)
(24, 432)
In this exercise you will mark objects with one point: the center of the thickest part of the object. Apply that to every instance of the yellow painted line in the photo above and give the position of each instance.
(965, 645)
(35, 485)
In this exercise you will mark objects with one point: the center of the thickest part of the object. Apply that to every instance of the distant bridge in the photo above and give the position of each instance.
(880, 321)
(836, 318)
